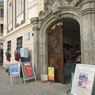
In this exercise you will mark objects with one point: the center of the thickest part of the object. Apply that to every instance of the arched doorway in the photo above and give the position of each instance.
(64, 48)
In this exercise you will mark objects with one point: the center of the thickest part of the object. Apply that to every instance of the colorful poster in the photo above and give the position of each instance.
(51, 73)
(83, 80)
(28, 70)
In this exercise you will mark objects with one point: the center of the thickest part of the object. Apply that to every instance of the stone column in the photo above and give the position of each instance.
(35, 29)
(88, 34)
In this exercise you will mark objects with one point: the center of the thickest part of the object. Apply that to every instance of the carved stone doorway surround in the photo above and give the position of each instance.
(82, 11)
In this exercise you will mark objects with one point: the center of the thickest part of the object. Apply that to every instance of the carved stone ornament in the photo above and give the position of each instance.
(53, 5)
(68, 1)
(56, 6)
(72, 2)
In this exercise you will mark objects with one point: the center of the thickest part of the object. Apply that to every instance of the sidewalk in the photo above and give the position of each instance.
(30, 88)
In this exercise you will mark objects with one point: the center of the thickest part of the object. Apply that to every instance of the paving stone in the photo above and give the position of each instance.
(30, 88)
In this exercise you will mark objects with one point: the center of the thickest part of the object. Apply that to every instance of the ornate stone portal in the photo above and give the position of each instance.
(55, 10)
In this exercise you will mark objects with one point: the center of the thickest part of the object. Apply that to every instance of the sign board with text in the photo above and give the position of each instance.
(83, 80)
(28, 71)
(14, 71)
(51, 73)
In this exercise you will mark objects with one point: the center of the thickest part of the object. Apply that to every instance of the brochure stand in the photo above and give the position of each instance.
(14, 71)
(83, 81)
(28, 71)
(51, 74)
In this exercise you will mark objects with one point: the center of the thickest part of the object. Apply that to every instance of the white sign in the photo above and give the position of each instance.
(28, 35)
(83, 80)
(24, 52)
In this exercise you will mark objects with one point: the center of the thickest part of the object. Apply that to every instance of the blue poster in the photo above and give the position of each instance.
(14, 70)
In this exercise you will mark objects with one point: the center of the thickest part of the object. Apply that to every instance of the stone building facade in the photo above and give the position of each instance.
(45, 46)
(83, 11)
(17, 27)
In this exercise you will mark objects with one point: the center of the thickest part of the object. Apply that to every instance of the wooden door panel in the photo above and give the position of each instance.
(55, 52)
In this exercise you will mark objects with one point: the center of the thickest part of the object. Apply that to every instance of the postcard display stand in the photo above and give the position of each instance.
(83, 81)
(14, 71)
(28, 71)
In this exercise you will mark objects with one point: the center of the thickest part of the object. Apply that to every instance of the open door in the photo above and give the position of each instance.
(55, 51)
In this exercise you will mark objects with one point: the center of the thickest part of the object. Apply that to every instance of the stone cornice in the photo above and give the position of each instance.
(88, 11)
(87, 7)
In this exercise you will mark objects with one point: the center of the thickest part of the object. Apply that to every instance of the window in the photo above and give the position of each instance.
(19, 43)
(1, 13)
(20, 12)
(1, 28)
(9, 47)
(10, 15)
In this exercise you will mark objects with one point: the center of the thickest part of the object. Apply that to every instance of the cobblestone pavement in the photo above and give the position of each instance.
(30, 88)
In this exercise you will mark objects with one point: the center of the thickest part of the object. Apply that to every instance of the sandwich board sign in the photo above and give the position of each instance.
(28, 71)
(83, 80)
(14, 72)
(51, 73)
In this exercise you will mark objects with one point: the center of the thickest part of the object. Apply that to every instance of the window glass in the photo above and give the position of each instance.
(19, 12)
(10, 15)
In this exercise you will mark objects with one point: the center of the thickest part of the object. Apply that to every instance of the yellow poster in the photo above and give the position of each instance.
(51, 73)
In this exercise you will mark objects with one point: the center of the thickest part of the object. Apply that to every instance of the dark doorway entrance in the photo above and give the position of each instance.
(1, 57)
(71, 35)
(64, 48)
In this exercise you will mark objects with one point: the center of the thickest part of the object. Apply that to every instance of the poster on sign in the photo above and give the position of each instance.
(51, 73)
(83, 80)
(28, 71)
(14, 71)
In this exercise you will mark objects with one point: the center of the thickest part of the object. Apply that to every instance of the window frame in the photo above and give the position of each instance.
(9, 46)
(22, 12)
(7, 16)
(19, 42)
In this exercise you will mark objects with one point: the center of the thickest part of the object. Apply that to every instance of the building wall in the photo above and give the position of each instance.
(1, 31)
(55, 10)
(32, 8)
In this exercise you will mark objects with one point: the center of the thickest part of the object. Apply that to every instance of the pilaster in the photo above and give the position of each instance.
(34, 22)
(88, 19)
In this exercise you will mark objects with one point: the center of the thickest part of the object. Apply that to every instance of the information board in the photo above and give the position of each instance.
(51, 73)
(83, 80)
(28, 71)
(14, 71)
